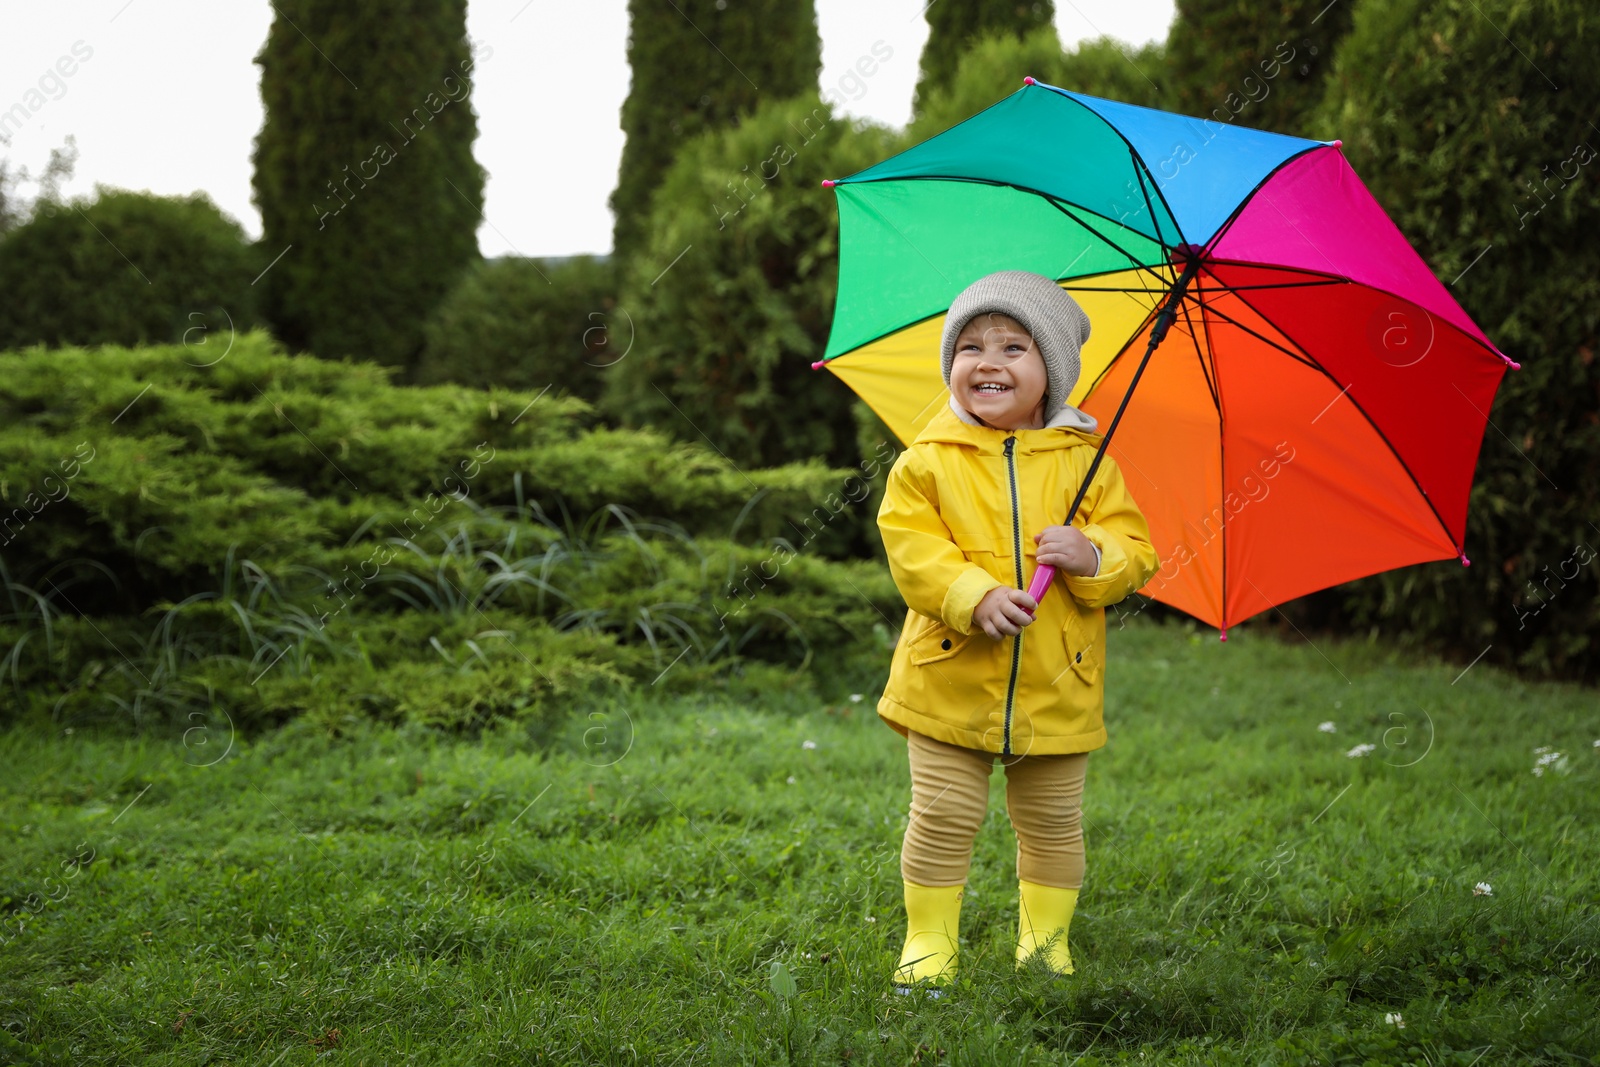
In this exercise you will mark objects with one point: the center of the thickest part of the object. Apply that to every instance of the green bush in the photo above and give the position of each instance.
(272, 531)
(993, 68)
(525, 324)
(733, 295)
(1491, 177)
(126, 268)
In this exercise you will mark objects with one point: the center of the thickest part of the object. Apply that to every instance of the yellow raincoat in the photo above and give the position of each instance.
(959, 514)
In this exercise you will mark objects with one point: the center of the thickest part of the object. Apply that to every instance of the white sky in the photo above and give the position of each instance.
(169, 99)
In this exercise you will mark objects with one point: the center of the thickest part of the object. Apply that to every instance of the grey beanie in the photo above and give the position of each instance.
(1058, 325)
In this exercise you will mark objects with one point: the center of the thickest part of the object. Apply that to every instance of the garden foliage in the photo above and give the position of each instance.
(364, 171)
(122, 267)
(1262, 65)
(525, 323)
(269, 533)
(732, 294)
(993, 68)
(955, 25)
(700, 65)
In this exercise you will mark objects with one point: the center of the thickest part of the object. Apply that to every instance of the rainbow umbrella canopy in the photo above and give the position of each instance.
(1315, 410)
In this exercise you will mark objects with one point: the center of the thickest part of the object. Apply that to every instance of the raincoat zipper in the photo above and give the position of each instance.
(1016, 556)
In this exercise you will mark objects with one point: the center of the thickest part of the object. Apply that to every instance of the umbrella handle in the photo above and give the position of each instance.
(1041, 581)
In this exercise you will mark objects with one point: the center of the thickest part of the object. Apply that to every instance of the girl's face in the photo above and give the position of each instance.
(998, 374)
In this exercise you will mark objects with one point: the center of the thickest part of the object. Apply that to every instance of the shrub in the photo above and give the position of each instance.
(177, 538)
(734, 293)
(993, 68)
(125, 268)
(525, 324)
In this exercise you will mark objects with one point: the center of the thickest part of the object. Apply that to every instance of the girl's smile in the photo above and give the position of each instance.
(998, 374)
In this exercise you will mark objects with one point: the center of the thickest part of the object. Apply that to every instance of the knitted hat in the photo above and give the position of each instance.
(1058, 325)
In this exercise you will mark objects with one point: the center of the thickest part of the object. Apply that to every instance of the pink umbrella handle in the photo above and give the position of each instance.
(1041, 582)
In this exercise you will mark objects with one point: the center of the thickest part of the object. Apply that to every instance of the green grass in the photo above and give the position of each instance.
(1253, 894)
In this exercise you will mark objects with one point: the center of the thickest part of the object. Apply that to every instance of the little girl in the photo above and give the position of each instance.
(982, 670)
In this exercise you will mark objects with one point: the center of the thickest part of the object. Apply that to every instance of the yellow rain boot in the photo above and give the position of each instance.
(1045, 912)
(933, 925)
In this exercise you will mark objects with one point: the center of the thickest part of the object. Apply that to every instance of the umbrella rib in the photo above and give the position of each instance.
(1224, 316)
(1245, 200)
(1349, 394)
(1139, 170)
(1134, 152)
(1211, 385)
(1123, 351)
(1043, 195)
(1131, 290)
(1285, 285)
(1060, 205)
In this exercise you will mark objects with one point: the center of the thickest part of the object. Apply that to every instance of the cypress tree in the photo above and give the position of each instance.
(953, 26)
(1260, 65)
(364, 172)
(700, 64)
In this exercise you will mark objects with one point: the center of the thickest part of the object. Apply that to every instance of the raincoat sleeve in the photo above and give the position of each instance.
(934, 576)
(1116, 527)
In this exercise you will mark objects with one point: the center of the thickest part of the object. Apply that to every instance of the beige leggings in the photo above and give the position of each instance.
(950, 794)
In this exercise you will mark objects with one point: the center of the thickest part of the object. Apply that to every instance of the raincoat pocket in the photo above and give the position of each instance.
(1084, 655)
(934, 641)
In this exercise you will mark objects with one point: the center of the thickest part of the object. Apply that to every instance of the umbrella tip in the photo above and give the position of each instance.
(1513, 364)
(1222, 634)
(1337, 143)
(1028, 80)
(1465, 562)
(827, 183)
(818, 364)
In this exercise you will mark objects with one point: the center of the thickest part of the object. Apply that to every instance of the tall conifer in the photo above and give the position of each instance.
(364, 172)
(953, 26)
(699, 64)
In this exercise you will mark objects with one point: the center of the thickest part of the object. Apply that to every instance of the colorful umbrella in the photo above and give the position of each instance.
(1314, 416)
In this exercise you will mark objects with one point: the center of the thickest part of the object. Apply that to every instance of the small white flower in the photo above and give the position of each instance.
(1326, 727)
(1551, 758)
(1541, 748)
(791, 779)
(1483, 889)
(808, 744)
(1360, 750)
(1597, 742)
(1394, 1018)
(872, 918)
(856, 698)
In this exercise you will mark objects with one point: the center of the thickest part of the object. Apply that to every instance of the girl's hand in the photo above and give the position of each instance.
(1003, 611)
(1067, 550)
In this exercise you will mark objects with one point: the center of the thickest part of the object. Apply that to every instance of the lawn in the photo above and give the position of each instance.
(716, 880)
